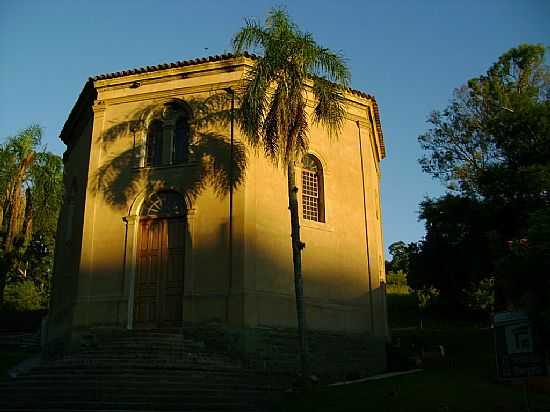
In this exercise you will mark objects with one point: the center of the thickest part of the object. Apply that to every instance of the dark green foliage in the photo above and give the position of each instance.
(396, 278)
(456, 250)
(426, 297)
(464, 381)
(491, 146)
(500, 121)
(396, 283)
(31, 190)
(403, 310)
(480, 296)
(400, 256)
(46, 179)
(23, 296)
(273, 100)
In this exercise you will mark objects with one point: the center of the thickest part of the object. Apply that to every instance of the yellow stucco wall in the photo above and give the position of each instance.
(93, 278)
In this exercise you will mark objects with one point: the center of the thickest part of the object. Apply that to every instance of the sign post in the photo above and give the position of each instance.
(517, 353)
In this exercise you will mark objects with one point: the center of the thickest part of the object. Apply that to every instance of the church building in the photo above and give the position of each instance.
(149, 239)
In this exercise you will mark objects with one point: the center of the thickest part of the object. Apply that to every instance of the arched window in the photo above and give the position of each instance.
(164, 204)
(153, 145)
(313, 205)
(180, 141)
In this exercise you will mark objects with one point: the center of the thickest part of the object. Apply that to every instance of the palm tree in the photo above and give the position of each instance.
(273, 116)
(30, 197)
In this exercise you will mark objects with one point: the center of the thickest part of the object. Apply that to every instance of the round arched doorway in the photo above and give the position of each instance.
(160, 261)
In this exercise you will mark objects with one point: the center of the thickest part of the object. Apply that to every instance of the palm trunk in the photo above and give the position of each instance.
(297, 247)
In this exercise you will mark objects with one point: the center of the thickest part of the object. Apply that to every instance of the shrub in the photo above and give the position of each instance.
(22, 296)
(426, 297)
(397, 283)
(480, 296)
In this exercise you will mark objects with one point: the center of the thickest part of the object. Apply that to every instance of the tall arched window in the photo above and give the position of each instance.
(153, 145)
(313, 202)
(180, 141)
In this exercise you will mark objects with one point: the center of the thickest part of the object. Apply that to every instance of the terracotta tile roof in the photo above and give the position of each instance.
(184, 63)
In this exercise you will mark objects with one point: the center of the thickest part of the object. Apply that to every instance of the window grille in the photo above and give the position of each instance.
(312, 189)
(164, 204)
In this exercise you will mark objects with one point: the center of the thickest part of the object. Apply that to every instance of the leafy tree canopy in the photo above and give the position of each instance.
(491, 147)
(457, 248)
(31, 190)
(400, 257)
(493, 140)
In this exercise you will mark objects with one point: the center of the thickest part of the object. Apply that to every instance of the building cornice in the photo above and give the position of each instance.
(169, 71)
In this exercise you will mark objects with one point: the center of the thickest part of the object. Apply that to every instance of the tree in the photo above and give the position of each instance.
(493, 140)
(273, 112)
(31, 187)
(491, 145)
(457, 249)
(400, 256)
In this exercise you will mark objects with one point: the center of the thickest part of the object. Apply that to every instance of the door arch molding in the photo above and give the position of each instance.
(131, 245)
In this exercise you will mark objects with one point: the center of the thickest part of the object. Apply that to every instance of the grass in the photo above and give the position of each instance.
(464, 381)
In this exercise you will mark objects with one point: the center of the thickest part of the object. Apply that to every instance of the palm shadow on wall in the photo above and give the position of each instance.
(212, 161)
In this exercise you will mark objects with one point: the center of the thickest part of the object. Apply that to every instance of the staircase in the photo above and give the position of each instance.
(22, 341)
(141, 371)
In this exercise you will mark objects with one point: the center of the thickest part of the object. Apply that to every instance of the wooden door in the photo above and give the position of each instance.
(172, 285)
(159, 279)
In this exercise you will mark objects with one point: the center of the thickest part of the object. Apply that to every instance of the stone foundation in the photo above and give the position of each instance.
(332, 355)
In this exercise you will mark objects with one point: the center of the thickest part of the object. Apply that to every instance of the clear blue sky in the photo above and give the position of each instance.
(409, 54)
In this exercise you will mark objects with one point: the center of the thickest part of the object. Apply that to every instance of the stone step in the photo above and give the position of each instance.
(147, 381)
(134, 353)
(91, 366)
(144, 337)
(149, 353)
(134, 394)
(56, 409)
(150, 382)
(180, 405)
(80, 392)
(142, 371)
(73, 409)
(139, 395)
(210, 377)
(146, 345)
(147, 361)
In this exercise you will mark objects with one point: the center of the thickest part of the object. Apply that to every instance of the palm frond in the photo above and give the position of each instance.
(251, 36)
(330, 65)
(276, 122)
(252, 102)
(329, 110)
(273, 106)
(296, 139)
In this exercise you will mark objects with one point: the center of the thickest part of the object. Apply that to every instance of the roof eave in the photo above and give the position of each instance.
(89, 92)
